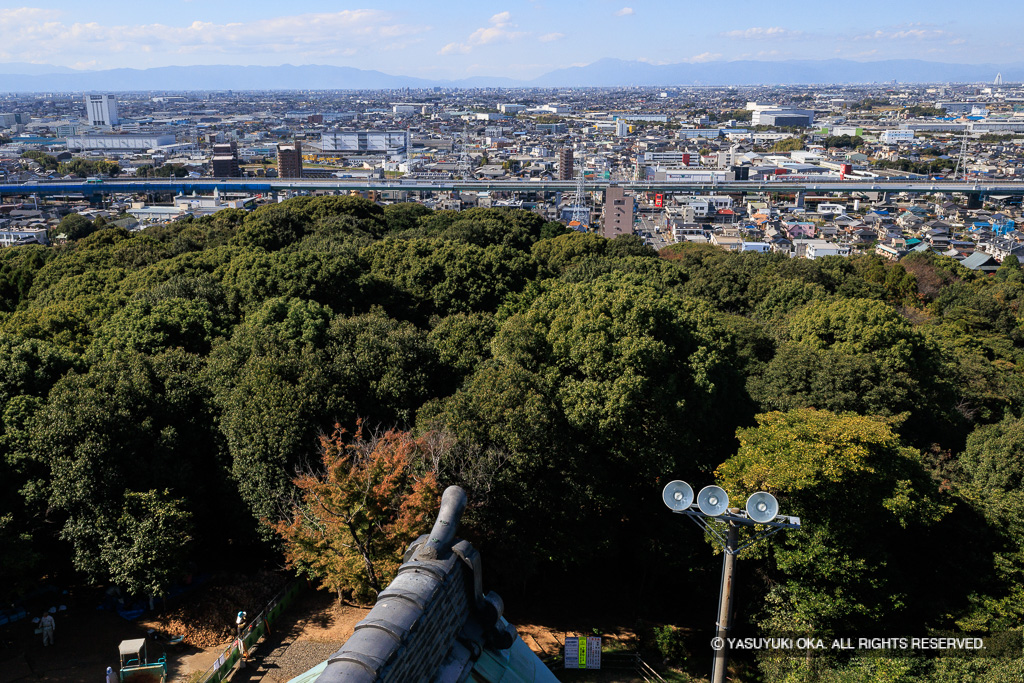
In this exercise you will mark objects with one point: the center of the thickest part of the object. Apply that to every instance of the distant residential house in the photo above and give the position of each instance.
(888, 233)
(908, 220)
(815, 248)
(890, 252)
(1000, 248)
(862, 237)
(781, 245)
(828, 231)
(937, 237)
(797, 231)
(730, 242)
(948, 210)
(752, 234)
(981, 262)
(725, 216)
(963, 246)
(759, 247)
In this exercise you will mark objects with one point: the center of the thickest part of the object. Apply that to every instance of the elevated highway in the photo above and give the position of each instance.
(252, 186)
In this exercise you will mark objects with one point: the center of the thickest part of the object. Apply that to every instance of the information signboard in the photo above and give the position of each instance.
(582, 653)
(572, 652)
(593, 652)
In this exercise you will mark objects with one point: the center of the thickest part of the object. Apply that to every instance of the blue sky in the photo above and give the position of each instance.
(519, 39)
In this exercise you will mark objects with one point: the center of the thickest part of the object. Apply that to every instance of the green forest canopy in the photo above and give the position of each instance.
(183, 373)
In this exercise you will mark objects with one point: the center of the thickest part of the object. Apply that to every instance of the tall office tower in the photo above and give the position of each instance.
(101, 110)
(225, 161)
(289, 160)
(565, 162)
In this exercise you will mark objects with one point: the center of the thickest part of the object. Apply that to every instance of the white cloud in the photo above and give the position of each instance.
(706, 57)
(906, 32)
(41, 34)
(625, 12)
(454, 49)
(762, 33)
(548, 37)
(501, 30)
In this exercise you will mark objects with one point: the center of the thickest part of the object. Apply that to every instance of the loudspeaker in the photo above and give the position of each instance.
(762, 507)
(713, 501)
(677, 495)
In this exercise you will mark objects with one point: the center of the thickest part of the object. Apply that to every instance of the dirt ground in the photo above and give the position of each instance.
(307, 633)
(86, 638)
(316, 626)
(85, 644)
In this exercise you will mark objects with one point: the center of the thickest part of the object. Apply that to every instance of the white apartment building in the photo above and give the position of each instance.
(890, 137)
(815, 249)
(827, 209)
(9, 237)
(704, 206)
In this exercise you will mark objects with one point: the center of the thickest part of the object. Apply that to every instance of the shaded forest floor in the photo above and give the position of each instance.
(307, 633)
(316, 626)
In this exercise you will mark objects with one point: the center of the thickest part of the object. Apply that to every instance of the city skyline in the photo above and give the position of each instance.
(518, 39)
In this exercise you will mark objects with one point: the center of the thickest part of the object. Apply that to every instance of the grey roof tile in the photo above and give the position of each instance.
(434, 622)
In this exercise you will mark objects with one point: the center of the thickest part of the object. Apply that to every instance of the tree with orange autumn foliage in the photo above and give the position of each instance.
(354, 518)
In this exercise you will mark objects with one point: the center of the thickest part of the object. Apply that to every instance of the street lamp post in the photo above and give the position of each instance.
(724, 625)
(713, 503)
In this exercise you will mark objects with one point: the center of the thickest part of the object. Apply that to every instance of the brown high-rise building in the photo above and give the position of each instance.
(618, 212)
(289, 160)
(565, 162)
(225, 161)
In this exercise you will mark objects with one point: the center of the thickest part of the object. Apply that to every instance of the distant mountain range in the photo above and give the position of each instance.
(20, 77)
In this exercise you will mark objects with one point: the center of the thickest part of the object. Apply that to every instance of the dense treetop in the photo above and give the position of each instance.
(160, 390)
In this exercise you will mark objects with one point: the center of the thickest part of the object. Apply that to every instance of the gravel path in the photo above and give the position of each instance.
(291, 659)
(311, 631)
